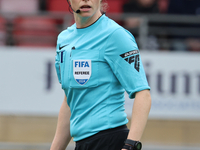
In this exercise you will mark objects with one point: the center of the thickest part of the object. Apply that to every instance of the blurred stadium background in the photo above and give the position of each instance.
(30, 95)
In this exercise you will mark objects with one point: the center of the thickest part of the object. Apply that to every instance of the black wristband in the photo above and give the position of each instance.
(135, 144)
(128, 147)
(130, 142)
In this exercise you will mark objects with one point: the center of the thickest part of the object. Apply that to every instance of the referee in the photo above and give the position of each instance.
(97, 61)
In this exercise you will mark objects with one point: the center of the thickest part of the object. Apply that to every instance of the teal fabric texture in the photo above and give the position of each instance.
(95, 66)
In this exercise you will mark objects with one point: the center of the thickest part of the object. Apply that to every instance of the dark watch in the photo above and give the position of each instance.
(137, 145)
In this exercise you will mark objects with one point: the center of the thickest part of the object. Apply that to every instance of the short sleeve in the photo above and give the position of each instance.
(122, 55)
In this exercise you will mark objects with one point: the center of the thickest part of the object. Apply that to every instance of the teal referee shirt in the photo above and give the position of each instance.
(95, 65)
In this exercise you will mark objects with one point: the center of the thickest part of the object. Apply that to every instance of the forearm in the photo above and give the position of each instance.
(62, 136)
(140, 112)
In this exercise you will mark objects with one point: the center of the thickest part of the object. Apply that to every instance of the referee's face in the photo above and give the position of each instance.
(88, 8)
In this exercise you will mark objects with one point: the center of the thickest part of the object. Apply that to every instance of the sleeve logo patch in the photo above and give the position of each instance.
(132, 57)
(82, 71)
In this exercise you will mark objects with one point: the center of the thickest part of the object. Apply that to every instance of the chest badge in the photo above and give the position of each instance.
(82, 71)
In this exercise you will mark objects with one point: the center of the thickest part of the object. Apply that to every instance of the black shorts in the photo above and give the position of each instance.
(111, 139)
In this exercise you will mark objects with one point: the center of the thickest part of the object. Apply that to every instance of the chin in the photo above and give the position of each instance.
(86, 14)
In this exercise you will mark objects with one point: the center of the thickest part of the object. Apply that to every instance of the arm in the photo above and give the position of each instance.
(62, 136)
(140, 112)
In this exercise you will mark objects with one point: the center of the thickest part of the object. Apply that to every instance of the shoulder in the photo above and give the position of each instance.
(114, 28)
(111, 25)
(66, 32)
(119, 38)
(118, 32)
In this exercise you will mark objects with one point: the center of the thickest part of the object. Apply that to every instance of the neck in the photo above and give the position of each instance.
(82, 22)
